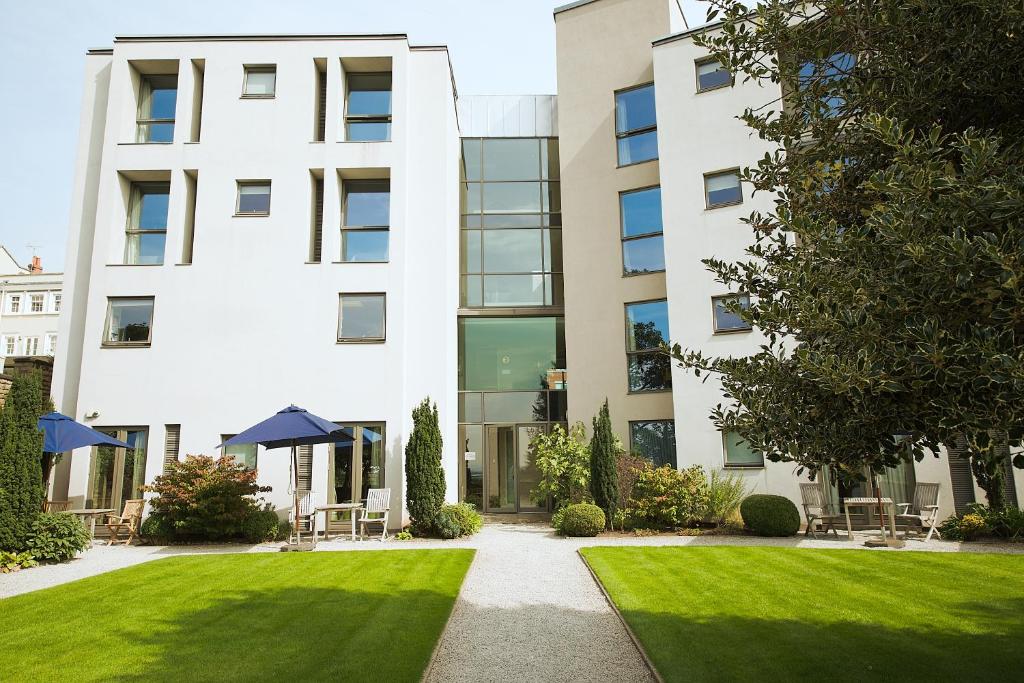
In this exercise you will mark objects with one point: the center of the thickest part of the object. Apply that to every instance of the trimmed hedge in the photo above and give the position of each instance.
(579, 519)
(767, 515)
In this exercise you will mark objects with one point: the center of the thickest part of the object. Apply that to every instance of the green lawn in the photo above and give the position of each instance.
(368, 616)
(774, 614)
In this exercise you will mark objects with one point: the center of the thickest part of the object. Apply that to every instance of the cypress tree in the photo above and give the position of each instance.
(604, 484)
(21, 448)
(424, 476)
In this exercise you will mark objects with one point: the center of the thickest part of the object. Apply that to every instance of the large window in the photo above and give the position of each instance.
(722, 189)
(511, 246)
(242, 454)
(146, 233)
(636, 126)
(158, 97)
(643, 249)
(361, 318)
(366, 217)
(129, 322)
(368, 107)
(117, 474)
(649, 367)
(356, 462)
(654, 440)
(725, 319)
(260, 81)
(738, 452)
(253, 198)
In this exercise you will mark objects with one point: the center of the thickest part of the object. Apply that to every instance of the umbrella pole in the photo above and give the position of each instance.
(295, 492)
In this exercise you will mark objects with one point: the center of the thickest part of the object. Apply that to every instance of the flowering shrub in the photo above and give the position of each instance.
(666, 498)
(205, 499)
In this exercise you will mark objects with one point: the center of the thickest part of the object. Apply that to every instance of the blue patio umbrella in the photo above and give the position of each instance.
(293, 427)
(64, 434)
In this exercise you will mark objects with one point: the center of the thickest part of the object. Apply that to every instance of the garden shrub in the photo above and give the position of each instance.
(581, 519)
(563, 461)
(466, 518)
(424, 476)
(445, 525)
(403, 536)
(768, 515)
(21, 450)
(666, 498)
(155, 530)
(203, 499)
(284, 530)
(261, 525)
(972, 525)
(1005, 523)
(12, 562)
(627, 468)
(604, 448)
(57, 537)
(949, 528)
(725, 493)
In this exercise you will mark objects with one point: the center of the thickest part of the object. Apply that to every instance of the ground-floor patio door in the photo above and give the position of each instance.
(117, 474)
(509, 473)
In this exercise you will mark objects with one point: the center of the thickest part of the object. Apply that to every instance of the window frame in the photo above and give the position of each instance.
(120, 452)
(714, 317)
(356, 467)
(735, 170)
(255, 457)
(141, 121)
(138, 191)
(633, 132)
(675, 454)
(362, 340)
(631, 238)
(37, 298)
(631, 354)
(239, 184)
(258, 68)
(737, 466)
(107, 344)
(14, 303)
(346, 229)
(55, 302)
(697, 63)
(368, 118)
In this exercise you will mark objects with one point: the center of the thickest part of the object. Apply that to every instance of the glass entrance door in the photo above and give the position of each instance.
(510, 473)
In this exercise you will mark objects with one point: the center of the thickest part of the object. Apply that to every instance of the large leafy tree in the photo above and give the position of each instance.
(21, 448)
(887, 276)
(424, 476)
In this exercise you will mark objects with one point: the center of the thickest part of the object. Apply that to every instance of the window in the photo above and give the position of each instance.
(37, 302)
(738, 452)
(129, 322)
(512, 354)
(56, 302)
(356, 462)
(253, 198)
(368, 107)
(711, 75)
(818, 77)
(722, 189)
(50, 347)
(260, 81)
(636, 130)
(158, 96)
(654, 440)
(117, 474)
(31, 346)
(366, 216)
(146, 233)
(646, 330)
(242, 454)
(10, 345)
(361, 317)
(643, 249)
(726, 320)
(14, 303)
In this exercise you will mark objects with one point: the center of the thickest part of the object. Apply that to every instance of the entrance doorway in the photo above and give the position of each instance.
(499, 474)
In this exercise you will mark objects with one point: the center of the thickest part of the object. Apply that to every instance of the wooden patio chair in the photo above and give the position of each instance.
(813, 498)
(56, 506)
(376, 512)
(129, 522)
(925, 506)
(307, 519)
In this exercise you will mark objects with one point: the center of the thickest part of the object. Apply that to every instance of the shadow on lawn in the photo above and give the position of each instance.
(290, 634)
(749, 649)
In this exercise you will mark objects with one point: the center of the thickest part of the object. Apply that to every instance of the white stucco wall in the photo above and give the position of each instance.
(250, 327)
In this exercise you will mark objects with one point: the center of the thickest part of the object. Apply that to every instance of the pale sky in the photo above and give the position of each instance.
(496, 47)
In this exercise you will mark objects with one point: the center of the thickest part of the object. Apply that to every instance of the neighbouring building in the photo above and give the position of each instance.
(30, 304)
(323, 220)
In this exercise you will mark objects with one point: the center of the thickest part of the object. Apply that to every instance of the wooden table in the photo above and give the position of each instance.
(91, 514)
(870, 502)
(352, 508)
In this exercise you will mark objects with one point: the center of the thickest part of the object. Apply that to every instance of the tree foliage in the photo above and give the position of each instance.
(603, 476)
(424, 477)
(886, 279)
(563, 460)
(21, 449)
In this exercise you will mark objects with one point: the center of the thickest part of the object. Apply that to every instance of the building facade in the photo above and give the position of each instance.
(30, 304)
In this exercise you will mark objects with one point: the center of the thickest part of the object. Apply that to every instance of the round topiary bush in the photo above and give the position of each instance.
(580, 519)
(767, 515)
(57, 537)
(260, 526)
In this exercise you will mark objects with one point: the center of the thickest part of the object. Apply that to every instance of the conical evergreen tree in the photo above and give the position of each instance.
(424, 476)
(21, 448)
(604, 485)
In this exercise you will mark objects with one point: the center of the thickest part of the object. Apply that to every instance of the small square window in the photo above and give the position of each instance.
(36, 302)
(260, 81)
(738, 452)
(723, 189)
(253, 198)
(361, 318)
(726, 320)
(242, 454)
(711, 75)
(129, 322)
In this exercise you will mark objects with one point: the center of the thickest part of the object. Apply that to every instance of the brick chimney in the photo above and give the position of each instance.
(37, 265)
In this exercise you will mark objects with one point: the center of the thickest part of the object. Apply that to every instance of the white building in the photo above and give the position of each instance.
(30, 303)
(259, 221)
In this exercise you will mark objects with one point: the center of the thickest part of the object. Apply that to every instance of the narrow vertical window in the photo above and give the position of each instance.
(188, 243)
(172, 442)
(147, 224)
(366, 220)
(56, 302)
(158, 96)
(317, 228)
(643, 249)
(14, 303)
(649, 368)
(198, 78)
(50, 345)
(368, 107)
(320, 119)
(636, 125)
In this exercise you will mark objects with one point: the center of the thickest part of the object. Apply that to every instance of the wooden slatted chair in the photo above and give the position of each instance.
(925, 506)
(813, 497)
(56, 505)
(307, 519)
(378, 503)
(129, 522)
